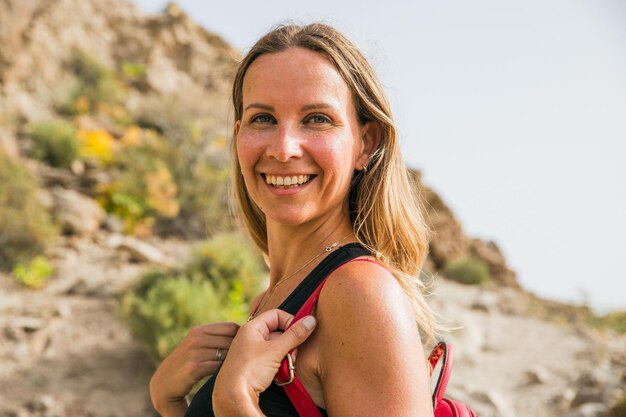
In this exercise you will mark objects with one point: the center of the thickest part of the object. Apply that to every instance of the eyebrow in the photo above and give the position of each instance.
(259, 106)
(304, 108)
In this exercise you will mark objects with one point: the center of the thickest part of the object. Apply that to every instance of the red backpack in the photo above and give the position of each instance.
(305, 406)
(445, 407)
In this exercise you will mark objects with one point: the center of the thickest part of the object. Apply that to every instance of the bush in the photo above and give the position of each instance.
(157, 182)
(55, 143)
(142, 189)
(217, 285)
(615, 320)
(196, 156)
(96, 88)
(25, 227)
(35, 273)
(468, 271)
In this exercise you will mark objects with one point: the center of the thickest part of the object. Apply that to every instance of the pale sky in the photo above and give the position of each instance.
(514, 111)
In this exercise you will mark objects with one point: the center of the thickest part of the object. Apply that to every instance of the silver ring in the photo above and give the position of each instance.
(219, 353)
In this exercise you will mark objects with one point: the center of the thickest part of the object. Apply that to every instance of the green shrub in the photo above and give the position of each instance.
(133, 70)
(468, 271)
(615, 320)
(142, 189)
(216, 286)
(197, 157)
(96, 87)
(54, 142)
(152, 178)
(35, 273)
(25, 227)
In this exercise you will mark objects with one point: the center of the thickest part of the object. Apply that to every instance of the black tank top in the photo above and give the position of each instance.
(274, 401)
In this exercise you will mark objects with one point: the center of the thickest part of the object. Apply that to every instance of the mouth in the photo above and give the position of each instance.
(287, 181)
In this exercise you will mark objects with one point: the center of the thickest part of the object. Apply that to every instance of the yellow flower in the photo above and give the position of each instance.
(96, 144)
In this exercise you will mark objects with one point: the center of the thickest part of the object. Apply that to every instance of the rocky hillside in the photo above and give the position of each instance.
(133, 89)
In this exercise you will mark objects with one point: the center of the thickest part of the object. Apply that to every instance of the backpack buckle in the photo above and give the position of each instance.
(291, 368)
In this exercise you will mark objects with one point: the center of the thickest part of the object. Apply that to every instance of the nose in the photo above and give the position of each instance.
(285, 145)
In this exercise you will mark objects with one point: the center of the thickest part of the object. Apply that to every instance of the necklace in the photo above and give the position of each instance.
(284, 279)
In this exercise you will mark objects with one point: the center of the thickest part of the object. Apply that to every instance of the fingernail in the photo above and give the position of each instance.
(309, 322)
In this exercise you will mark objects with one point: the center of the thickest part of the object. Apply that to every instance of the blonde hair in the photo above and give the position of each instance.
(385, 209)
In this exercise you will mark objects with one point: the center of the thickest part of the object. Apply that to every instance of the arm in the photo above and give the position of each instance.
(368, 337)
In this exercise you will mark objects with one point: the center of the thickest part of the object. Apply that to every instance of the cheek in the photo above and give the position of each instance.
(248, 152)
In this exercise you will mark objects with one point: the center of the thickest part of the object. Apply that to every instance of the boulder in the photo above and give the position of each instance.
(77, 213)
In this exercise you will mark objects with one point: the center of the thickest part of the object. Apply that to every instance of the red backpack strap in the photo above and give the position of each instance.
(443, 352)
(286, 376)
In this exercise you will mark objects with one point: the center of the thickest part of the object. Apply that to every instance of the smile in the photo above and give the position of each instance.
(289, 181)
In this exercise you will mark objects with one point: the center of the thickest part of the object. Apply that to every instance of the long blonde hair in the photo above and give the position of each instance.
(386, 212)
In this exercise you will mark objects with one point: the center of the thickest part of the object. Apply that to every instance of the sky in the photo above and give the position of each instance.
(515, 112)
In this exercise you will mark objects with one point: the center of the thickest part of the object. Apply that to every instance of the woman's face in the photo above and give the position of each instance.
(299, 141)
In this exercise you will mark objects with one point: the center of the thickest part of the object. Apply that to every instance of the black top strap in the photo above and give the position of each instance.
(340, 256)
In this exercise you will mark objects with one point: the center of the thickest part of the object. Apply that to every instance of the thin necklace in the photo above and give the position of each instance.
(269, 293)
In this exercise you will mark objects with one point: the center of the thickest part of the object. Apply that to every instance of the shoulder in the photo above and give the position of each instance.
(366, 289)
(361, 298)
(367, 334)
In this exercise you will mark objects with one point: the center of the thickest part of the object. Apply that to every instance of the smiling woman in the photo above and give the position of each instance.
(320, 185)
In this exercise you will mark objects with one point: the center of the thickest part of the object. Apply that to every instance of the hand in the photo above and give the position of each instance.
(254, 358)
(194, 358)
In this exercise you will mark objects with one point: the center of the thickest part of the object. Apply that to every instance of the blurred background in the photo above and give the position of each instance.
(515, 113)
(115, 231)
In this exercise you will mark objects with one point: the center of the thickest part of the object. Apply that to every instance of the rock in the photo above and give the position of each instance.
(563, 401)
(487, 302)
(114, 224)
(140, 251)
(502, 408)
(589, 410)
(588, 394)
(589, 379)
(78, 213)
(8, 144)
(28, 324)
(537, 375)
(44, 406)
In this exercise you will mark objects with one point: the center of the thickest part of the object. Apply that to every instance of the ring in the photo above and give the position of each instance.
(219, 353)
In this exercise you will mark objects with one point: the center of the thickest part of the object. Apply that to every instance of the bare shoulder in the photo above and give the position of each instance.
(367, 335)
(366, 290)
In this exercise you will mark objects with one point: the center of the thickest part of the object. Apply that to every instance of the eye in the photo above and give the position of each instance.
(262, 118)
(318, 119)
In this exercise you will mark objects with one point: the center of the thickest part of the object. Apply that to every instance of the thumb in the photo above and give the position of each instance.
(296, 334)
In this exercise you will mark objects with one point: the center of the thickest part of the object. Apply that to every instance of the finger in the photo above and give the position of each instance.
(212, 342)
(220, 329)
(218, 355)
(296, 334)
(275, 335)
(272, 320)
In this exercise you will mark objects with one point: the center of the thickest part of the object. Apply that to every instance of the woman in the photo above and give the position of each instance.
(317, 169)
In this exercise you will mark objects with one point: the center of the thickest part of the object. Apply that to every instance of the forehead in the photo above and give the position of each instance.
(295, 76)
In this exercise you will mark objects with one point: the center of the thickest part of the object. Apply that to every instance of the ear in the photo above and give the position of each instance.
(371, 135)
(236, 127)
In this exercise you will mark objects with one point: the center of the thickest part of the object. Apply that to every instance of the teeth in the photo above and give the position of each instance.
(288, 181)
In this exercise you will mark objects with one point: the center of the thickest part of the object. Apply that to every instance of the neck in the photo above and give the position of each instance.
(291, 247)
